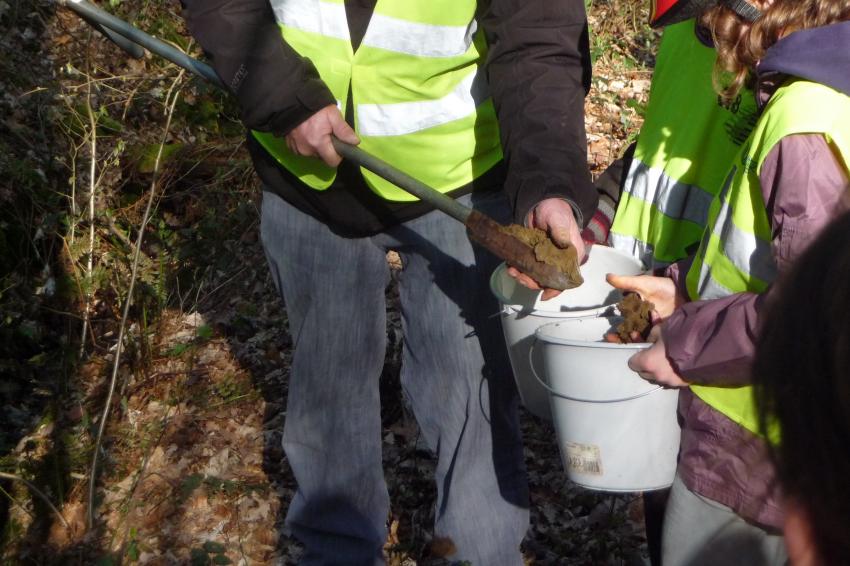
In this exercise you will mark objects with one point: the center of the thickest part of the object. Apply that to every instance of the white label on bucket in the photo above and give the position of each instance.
(583, 458)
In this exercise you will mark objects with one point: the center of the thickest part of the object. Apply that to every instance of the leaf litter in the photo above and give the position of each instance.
(194, 470)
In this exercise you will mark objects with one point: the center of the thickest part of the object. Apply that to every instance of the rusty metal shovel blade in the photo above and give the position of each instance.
(517, 253)
(481, 227)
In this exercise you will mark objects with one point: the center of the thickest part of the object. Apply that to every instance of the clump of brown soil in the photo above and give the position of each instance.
(564, 259)
(637, 318)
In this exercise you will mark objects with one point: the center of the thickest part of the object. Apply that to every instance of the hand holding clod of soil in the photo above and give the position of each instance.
(660, 291)
(637, 320)
(565, 259)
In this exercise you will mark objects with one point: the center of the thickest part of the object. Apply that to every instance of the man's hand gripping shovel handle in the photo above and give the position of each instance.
(481, 227)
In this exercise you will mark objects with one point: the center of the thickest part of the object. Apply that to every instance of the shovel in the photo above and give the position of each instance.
(482, 229)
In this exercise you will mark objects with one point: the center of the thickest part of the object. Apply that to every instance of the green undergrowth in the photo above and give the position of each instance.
(620, 34)
(57, 267)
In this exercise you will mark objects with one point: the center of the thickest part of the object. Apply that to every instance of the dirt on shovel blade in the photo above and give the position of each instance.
(564, 259)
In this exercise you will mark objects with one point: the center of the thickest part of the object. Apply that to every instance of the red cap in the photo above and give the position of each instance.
(660, 7)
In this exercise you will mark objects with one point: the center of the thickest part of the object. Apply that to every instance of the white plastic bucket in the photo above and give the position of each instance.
(616, 431)
(522, 312)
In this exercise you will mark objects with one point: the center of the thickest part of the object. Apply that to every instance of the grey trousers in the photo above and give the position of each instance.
(455, 374)
(702, 532)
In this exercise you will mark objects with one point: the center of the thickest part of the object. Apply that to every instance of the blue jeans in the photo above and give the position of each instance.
(455, 374)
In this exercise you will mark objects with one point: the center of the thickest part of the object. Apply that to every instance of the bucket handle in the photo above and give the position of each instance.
(562, 396)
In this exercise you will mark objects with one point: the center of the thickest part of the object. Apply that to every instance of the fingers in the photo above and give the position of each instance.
(312, 138)
(523, 279)
(660, 291)
(527, 281)
(565, 234)
(624, 282)
(653, 365)
(642, 363)
(587, 246)
(561, 234)
(556, 217)
(613, 338)
(549, 294)
(654, 334)
(582, 249)
(327, 153)
(650, 360)
(342, 130)
(315, 147)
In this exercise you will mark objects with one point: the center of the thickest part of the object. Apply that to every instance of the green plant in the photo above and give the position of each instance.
(210, 552)
(132, 549)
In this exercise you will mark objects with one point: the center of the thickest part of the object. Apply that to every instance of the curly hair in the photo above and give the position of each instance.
(801, 375)
(741, 45)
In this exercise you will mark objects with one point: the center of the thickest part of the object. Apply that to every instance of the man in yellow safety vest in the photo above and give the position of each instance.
(483, 100)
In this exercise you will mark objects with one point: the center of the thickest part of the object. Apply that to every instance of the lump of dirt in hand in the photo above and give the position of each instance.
(637, 317)
(564, 259)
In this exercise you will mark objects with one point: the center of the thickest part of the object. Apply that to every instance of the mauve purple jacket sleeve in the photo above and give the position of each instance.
(804, 187)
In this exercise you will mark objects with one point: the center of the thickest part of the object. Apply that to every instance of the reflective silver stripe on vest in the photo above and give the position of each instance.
(313, 16)
(674, 199)
(421, 40)
(637, 249)
(408, 117)
(749, 254)
(383, 32)
(708, 287)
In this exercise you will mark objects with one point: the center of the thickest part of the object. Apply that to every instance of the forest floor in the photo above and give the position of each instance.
(190, 467)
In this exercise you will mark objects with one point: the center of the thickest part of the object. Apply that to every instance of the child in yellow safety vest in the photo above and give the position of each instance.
(664, 183)
(789, 179)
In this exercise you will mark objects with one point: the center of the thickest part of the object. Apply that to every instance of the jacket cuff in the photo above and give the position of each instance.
(312, 96)
(678, 272)
(598, 228)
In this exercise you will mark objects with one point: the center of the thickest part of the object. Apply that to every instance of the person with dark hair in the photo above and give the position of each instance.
(801, 376)
(789, 179)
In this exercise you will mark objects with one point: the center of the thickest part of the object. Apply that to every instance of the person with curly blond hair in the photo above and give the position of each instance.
(789, 179)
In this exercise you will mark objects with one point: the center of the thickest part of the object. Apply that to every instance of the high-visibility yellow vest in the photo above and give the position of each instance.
(416, 85)
(687, 141)
(735, 252)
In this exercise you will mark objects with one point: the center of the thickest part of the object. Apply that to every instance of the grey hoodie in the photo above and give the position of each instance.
(712, 342)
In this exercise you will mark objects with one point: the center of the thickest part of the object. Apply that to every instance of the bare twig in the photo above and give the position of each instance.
(129, 101)
(72, 230)
(16, 503)
(92, 187)
(172, 96)
(38, 492)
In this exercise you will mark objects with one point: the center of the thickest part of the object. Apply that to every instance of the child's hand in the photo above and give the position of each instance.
(652, 363)
(660, 291)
